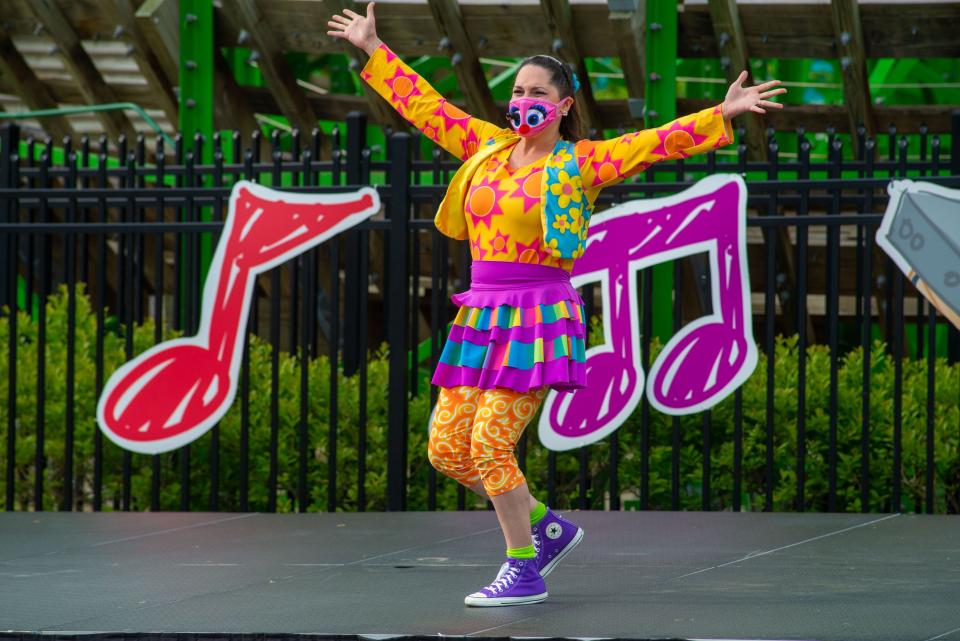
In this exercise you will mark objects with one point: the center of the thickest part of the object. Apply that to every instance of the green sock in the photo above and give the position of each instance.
(537, 513)
(521, 553)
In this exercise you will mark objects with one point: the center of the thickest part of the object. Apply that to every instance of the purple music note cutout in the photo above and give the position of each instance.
(700, 365)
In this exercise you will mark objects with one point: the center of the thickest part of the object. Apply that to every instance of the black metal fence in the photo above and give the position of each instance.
(136, 234)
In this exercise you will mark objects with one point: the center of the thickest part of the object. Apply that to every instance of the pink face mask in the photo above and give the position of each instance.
(529, 116)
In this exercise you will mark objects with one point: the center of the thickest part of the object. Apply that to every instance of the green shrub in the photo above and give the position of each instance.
(849, 422)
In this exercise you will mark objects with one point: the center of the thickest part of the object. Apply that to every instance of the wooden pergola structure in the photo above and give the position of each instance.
(57, 53)
(84, 52)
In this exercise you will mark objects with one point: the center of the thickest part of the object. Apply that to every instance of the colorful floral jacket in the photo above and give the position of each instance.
(572, 176)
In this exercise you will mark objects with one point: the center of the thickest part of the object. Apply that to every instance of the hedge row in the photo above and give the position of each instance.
(849, 425)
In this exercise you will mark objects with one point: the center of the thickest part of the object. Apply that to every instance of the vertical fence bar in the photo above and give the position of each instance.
(364, 340)
(413, 267)
(705, 463)
(10, 140)
(31, 239)
(189, 268)
(334, 373)
(833, 313)
(866, 334)
(675, 441)
(218, 216)
(44, 280)
(70, 274)
(646, 320)
(802, 249)
(275, 296)
(953, 347)
(398, 212)
(139, 269)
(356, 142)
(898, 352)
(307, 307)
(125, 310)
(101, 307)
(9, 146)
(770, 317)
(158, 289)
(298, 261)
(177, 320)
(84, 212)
(249, 174)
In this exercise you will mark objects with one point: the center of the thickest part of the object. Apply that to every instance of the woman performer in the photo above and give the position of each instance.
(522, 199)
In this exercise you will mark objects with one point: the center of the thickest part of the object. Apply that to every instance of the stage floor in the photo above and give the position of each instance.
(636, 575)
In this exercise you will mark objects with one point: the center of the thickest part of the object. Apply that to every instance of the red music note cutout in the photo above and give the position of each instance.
(707, 359)
(177, 390)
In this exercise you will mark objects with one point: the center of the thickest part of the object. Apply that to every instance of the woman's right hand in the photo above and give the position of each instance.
(358, 30)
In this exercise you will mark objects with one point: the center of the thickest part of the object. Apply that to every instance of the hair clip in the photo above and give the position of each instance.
(576, 82)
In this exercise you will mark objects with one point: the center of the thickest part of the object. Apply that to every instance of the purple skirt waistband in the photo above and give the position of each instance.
(495, 283)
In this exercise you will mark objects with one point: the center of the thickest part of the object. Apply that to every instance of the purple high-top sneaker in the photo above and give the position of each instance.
(553, 538)
(518, 584)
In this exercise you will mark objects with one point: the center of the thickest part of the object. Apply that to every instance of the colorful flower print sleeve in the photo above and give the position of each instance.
(606, 162)
(412, 96)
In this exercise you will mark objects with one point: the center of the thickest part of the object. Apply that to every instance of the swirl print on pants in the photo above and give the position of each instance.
(474, 434)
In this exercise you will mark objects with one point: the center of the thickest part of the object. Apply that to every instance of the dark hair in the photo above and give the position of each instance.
(561, 77)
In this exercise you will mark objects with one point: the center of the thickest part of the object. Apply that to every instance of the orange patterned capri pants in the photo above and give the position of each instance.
(474, 433)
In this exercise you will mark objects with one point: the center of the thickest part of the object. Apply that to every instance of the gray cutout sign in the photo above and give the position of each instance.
(921, 233)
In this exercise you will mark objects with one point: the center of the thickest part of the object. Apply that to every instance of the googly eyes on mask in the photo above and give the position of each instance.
(530, 115)
(536, 115)
(514, 115)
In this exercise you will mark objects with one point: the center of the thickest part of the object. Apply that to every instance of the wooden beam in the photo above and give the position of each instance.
(158, 21)
(773, 29)
(379, 109)
(92, 86)
(629, 31)
(614, 114)
(146, 58)
(466, 64)
(29, 88)
(734, 59)
(281, 81)
(559, 19)
(853, 62)
(231, 108)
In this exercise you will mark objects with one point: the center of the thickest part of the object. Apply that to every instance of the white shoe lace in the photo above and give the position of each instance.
(536, 541)
(506, 580)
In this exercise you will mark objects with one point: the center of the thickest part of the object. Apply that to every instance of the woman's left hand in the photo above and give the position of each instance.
(742, 99)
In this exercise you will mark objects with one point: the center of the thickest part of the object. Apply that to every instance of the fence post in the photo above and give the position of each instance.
(953, 335)
(9, 141)
(398, 212)
(356, 141)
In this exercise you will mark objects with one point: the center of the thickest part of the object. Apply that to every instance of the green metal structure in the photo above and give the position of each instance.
(899, 81)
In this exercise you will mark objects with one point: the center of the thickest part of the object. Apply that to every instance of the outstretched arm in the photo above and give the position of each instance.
(607, 162)
(409, 93)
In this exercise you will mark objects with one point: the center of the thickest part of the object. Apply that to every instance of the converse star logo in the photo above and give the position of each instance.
(554, 530)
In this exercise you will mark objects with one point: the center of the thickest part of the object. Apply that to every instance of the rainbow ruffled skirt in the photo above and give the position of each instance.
(519, 326)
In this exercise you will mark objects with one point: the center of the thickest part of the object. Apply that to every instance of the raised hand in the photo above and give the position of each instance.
(742, 99)
(360, 31)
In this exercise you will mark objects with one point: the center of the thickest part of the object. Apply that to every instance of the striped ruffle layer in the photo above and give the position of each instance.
(516, 347)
